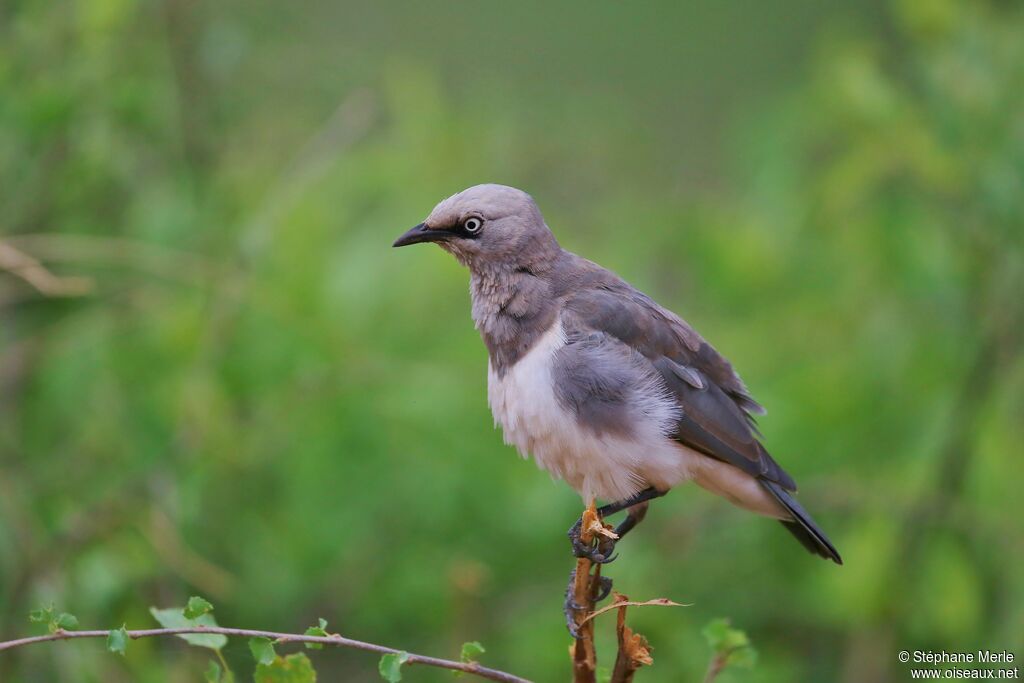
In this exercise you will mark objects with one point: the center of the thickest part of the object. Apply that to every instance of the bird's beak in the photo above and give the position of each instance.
(421, 233)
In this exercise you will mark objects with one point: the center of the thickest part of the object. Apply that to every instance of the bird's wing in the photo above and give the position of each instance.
(716, 408)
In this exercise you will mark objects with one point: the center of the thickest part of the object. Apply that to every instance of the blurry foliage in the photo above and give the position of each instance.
(295, 668)
(54, 621)
(390, 666)
(261, 402)
(729, 647)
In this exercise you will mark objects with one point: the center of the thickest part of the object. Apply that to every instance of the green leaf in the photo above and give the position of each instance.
(212, 673)
(320, 630)
(745, 658)
(64, 621)
(117, 640)
(174, 617)
(471, 651)
(197, 607)
(604, 674)
(43, 615)
(715, 633)
(262, 650)
(390, 666)
(723, 638)
(294, 668)
(733, 643)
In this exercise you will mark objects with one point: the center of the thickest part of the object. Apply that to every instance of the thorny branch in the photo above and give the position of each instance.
(337, 640)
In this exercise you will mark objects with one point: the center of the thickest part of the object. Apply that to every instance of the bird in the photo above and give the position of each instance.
(607, 390)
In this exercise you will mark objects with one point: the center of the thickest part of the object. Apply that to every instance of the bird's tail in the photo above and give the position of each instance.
(802, 526)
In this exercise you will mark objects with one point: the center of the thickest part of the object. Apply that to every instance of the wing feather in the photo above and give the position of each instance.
(717, 410)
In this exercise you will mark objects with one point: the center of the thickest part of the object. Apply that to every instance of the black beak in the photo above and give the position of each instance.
(421, 233)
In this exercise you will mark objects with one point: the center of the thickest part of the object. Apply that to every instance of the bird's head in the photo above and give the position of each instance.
(487, 227)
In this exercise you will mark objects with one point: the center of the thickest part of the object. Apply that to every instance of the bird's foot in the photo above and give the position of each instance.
(573, 608)
(599, 551)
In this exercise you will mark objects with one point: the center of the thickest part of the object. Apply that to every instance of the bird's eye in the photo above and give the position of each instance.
(472, 225)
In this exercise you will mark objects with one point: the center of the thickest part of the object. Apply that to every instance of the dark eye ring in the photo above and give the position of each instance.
(473, 225)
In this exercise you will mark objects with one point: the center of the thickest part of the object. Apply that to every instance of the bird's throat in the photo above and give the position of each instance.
(512, 309)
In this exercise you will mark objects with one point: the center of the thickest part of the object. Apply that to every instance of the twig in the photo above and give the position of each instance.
(715, 667)
(337, 640)
(656, 602)
(91, 250)
(584, 656)
(634, 650)
(34, 273)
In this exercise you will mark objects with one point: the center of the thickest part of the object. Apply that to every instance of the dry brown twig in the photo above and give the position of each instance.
(621, 601)
(633, 649)
(584, 657)
(33, 272)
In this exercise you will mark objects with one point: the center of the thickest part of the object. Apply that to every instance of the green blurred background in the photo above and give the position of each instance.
(226, 383)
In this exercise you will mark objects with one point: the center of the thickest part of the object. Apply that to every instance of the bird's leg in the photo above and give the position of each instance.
(571, 608)
(634, 515)
(600, 551)
(586, 588)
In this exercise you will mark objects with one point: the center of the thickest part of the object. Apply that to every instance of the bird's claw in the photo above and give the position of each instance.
(604, 586)
(571, 607)
(600, 551)
(604, 589)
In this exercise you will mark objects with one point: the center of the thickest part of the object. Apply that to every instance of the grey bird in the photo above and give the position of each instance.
(606, 389)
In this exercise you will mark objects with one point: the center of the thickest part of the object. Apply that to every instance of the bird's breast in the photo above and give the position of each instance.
(526, 406)
(522, 398)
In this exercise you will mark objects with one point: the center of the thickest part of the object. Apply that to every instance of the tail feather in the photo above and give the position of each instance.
(802, 526)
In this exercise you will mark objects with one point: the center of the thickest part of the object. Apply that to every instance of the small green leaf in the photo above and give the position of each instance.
(197, 607)
(731, 643)
(604, 674)
(174, 617)
(320, 630)
(64, 621)
(723, 638)
(43, 615)
(715, 633)
(471, 651)
(745, 658)
(390, 666)
(212, 673)
(294, 668)
(262, 650)
(117, 640)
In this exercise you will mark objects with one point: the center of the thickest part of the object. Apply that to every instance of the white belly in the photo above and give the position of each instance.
(609, 467)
